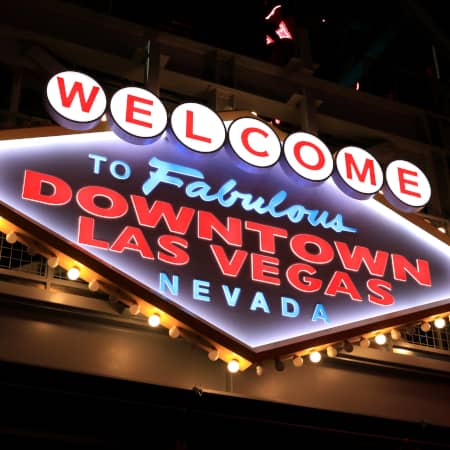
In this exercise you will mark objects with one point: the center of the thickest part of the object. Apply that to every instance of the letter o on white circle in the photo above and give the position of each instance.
(308, 156)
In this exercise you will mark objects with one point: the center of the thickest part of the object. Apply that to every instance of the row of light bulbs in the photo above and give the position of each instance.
(234, 366)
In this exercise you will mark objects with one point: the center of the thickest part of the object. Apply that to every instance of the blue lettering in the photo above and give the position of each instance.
(200, 290)
(231, 297)
(173, 285)
(98, 159)
(259, 301)
(227, 196)
(320, 313)
(161, 174)
(289, 307)
(126, 170)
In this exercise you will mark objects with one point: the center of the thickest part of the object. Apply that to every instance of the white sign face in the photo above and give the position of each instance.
(308, 156)
(407, 187)
(75, 101)
(198, 127)
(254, 142)
(137, 115)
(359, 172)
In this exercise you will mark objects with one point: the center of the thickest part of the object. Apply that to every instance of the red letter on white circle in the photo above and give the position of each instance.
(358, 173)
(254, 142)
(137, 116)
(75, 101)
(308, 156)
(407, 187)
(198, 128)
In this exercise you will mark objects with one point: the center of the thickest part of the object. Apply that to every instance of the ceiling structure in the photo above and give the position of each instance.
(396, 50)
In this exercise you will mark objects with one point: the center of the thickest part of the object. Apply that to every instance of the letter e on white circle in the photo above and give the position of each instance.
(137, 116)
(407, 187)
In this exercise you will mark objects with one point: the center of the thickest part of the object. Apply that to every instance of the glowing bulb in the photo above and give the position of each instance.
(259, 370)
(277, 121)
(94, 285)
(213, 355)
(331, 352)
(364, 343)
(380, 339)
(73, 273)
(439, 322)
(297, 361)
(233, 366)
(104, 118)
(442, 229)
(425, 327)
(11, 237)
(134, 309)
(395, 334)
(315, 357)
(174, 332)
(254, 113)
(154, 320)
(53, 262)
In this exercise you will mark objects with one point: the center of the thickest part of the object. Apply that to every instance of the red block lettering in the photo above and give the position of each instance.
(131, 109)
(229, 266)
(34, 183)
(261, 265)
(76, 90)
(150, 217)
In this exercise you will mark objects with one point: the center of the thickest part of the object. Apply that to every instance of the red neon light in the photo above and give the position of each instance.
(272, 13)
(283, 31)
(269, 40)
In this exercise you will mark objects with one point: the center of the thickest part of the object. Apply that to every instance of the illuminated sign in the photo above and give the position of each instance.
(264, 246)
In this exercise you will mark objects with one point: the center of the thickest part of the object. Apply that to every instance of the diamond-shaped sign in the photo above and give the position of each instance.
(254, 260)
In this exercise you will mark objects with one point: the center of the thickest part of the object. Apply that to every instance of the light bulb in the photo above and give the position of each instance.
(439, 322)
(380, 339)
(174, 332)
(11, 237)
(331, 352)
(213, 355)
(53, 262)
(94, 285)
(154, 320)
(254, 113)
(73, 273)
(395, 334)
(134, 309)
(297, 361)
(233, 366)
(315, 357)
(259, 370)
(364, 343)
(425, 327)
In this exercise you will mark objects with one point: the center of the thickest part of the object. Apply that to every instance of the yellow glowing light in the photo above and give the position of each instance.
(73, 273)
(439, 322)
(11, 237)
(380, 339)
(174, 332)
(154, 320)
(233, 366)
(297, 361)
(94, 285)
(315, 357)
(134, 309)
(213, 355)
(53, 262)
